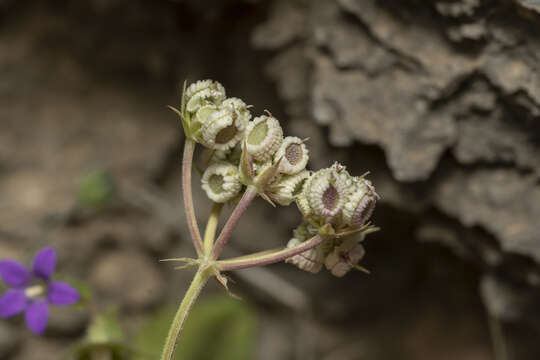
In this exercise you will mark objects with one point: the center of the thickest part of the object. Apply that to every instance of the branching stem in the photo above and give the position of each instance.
(211, 227)
(240, 208)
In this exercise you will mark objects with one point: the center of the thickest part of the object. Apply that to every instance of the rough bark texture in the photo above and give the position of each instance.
(450, 92)
(440, 100)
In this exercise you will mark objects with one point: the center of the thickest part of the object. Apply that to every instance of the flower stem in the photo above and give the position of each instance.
(200, 279)
(211, 227)
(187, 161)
(269, 256)
(240, 208)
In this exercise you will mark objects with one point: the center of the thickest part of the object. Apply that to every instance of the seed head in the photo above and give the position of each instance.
(223, 129)
(203, 92)
(327, 190)
(263, 137)
(293, 154)
(220, 181)
(360, 203)
(289, 187)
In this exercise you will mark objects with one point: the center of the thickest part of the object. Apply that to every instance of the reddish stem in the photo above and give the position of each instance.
(240, 208)
(269, 257)
(187, 162)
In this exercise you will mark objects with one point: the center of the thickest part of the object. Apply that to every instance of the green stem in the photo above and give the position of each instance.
(211, 227)
(200, 279)
(187, 161)
(240, 208)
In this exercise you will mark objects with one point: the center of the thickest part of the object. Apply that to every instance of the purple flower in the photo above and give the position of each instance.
(32, 292)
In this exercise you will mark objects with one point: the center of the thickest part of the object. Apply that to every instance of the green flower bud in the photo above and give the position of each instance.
(263, 137)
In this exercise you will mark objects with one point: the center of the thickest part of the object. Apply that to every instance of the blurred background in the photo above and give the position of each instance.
(439, 100)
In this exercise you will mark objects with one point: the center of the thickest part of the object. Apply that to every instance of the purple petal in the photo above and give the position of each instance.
(14, 273)
(12, 303)
(62, 294)
(44, 262)
(36, 316)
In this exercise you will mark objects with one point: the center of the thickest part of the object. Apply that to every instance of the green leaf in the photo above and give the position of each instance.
(219, 328)
(96, 190)
(104, 340)
(105, 328)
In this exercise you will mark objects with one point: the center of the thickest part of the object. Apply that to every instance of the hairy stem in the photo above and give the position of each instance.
(211, 227)
(187, 161)
(240, 208)
(200, 279)
(269, 256)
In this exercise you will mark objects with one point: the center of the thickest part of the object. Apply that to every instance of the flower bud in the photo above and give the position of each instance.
(263, 137)
(203, 92)
(310, 260)
(220, 181)
(223, 129)
(360, 203)
(239, 107)
(231, 155)
(327, 191)
(344, 257)
(289, 187)
(293, 154)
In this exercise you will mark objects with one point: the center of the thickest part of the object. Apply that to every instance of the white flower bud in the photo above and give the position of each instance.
(310, 260)
(204, 92)
(344, 257)
(360, 203)
(231, 155)
(293, 154)
(223, 129)
(239, 107)
(263, 137)
(289, 187)
(327, 191)
(220, 181)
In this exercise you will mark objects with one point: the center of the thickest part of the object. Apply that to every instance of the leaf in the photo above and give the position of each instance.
(219, 328)
(96, 190)
(105, 328)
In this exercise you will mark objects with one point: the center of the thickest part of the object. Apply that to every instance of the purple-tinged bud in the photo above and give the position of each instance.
(310, 260)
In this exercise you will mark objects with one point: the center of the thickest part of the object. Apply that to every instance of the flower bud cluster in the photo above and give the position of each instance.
(214, 121)
(254, 152)
(245, 151)
(332, 197)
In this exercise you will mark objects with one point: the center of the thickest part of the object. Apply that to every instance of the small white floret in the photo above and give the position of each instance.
(204, 92)
(221, 182)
